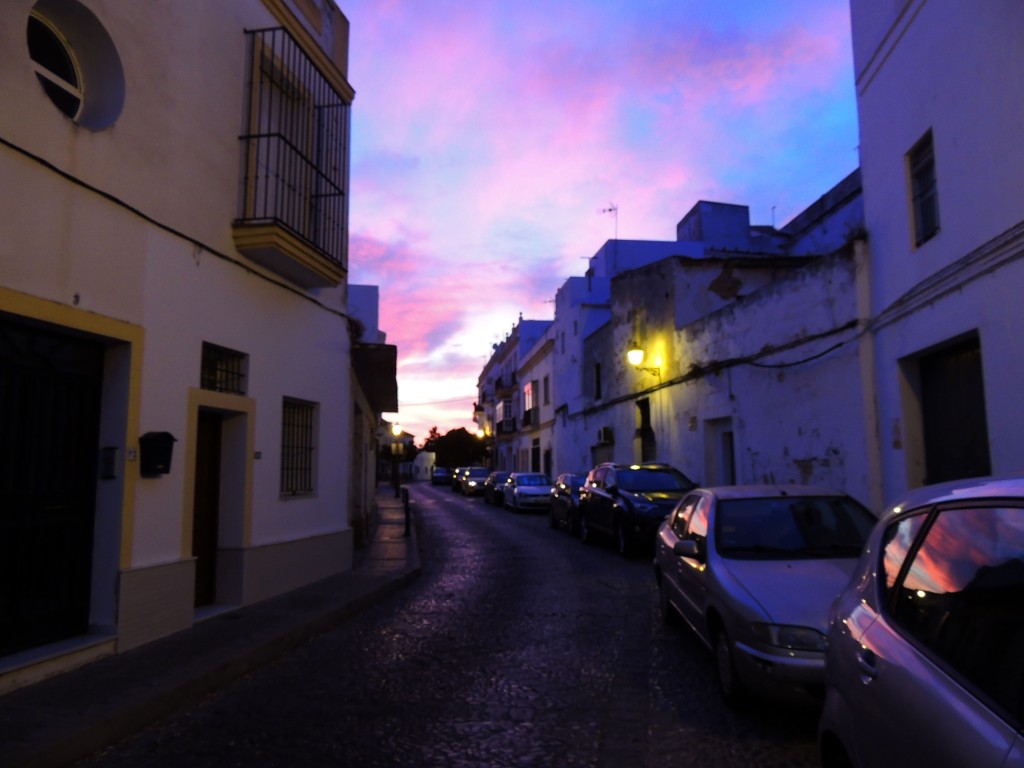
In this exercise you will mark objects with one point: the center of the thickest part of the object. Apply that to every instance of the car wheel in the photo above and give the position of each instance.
(623, 544)
(734, 694)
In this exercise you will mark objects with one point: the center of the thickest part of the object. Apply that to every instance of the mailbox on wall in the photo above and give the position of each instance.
(155, 449)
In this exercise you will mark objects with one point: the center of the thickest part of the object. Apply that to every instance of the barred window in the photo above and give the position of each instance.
(298, 437)
(296, 145)
(223, 370)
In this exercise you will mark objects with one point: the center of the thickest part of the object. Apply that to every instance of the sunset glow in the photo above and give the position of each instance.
(488, 136)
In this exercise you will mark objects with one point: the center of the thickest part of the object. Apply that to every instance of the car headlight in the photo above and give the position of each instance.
(472, 483)
(790, 637)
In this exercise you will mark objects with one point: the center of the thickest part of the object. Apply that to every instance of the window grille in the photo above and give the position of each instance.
(223, 370)
(297, 448)
(295, 145)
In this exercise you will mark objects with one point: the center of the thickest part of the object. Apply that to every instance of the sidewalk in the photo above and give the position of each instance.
(66, 718)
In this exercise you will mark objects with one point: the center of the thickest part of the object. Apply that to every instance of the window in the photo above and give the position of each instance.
(223, 370)
(960, 598)
(547, 391)
(54, 66)
(84, 81)
(298, 424)
(529, 395)
(923, 189)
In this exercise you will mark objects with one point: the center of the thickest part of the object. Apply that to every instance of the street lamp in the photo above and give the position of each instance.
(635, 356)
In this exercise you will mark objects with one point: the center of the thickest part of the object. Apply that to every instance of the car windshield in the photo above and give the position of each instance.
(791, 527)
(479, 472)
(532, 480)
(644, 479)
(575, 482)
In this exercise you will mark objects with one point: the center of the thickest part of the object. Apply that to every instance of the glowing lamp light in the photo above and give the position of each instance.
(396, 429)
(635, 356)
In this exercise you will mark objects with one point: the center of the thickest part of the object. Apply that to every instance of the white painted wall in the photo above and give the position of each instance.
(957, 70)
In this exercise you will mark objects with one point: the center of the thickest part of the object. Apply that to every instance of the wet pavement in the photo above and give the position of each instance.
(62, 719)
(517, 646)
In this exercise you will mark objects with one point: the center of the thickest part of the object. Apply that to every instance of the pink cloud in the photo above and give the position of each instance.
(487, 135)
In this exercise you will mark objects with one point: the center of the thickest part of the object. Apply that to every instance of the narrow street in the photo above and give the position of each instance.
(518, 646)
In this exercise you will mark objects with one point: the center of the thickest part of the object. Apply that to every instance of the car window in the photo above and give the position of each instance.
(682, 513)
(647, 479)
(792, 527)
(896, 543)
(962, 597)
(697, 530)
(533, 480)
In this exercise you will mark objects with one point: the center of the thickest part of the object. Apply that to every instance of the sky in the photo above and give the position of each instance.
(490, 138)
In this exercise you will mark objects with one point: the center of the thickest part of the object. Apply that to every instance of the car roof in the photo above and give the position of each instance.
(764, 490)
(1007, 486)
(642, 465)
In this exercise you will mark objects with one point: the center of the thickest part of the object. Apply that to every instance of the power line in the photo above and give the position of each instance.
(439, 402)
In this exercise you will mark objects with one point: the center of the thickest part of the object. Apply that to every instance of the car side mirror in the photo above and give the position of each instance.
(687, 548)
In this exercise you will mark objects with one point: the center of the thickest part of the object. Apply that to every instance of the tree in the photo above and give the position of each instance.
(456, 448)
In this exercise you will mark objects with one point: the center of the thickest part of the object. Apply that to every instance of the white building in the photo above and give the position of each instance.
(375, 391)
(748, 341)
(942, 160)
(500, 398)
(176, 396)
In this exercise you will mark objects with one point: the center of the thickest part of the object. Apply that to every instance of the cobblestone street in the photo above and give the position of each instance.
(518, 646)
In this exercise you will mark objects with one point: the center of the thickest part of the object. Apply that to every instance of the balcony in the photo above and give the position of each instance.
(507, 426)
(293, 207)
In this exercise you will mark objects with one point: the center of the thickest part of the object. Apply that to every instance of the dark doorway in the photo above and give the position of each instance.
(206, 506)
(953, 413)
(50, 387)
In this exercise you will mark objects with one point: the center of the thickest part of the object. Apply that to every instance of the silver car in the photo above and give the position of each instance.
(926, 644)
(753, 570)
(527, 490)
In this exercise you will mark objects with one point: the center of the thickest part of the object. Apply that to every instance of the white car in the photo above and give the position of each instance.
(527, 490)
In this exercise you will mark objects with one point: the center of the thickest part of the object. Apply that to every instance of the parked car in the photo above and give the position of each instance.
(472, 481)
(628, 502)
(456, 479)
(564, 510)
(494, 488)
(440, 476)
(527, 490)
(753, 570)
(925, 660)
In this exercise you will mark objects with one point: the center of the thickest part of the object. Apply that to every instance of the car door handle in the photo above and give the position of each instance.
(867, 663)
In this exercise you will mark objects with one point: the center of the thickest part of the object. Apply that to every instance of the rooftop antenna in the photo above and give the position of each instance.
(613, 209)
